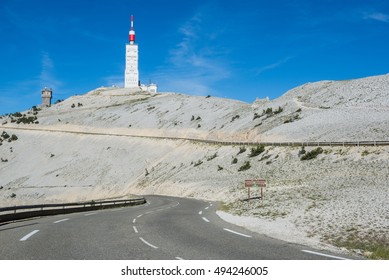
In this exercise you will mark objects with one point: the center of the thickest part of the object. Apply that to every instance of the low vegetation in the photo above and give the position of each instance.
(257, 150)
(312, 154)
(245, 166)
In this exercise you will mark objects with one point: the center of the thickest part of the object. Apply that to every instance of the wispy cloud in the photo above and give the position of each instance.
(195, 63)
(377, 16)
(14, 95)
(273, 65)
(47, 77)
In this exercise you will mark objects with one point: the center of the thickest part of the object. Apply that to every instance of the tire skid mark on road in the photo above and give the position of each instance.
(24, 238)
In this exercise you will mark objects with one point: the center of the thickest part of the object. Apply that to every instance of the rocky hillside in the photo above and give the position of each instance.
(305, 199)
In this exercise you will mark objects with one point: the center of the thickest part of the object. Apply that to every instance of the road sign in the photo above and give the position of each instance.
(261, 183)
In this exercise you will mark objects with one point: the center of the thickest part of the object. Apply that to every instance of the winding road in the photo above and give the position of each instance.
(164, 228)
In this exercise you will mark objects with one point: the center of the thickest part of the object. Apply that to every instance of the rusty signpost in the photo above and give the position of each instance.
(259, 183)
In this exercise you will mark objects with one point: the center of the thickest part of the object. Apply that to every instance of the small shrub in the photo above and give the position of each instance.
(198, 163)
(208, 96)
(198, 118)
(241, 150)
(219, 168)
(73, 105)
(302, 151)
(298, 110)
(235, 117)
(212, 157)
(5, 135)
(14, 137)
(13, 195)
(256, 116)
(234, 161)
(365, 153)
(257, 150)
(245, 166)
(279, 110)
(269, 111)
(312, 154)
(193, 118)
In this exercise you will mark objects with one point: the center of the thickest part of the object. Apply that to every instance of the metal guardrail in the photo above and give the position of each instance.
(221, 142)
(14, 213)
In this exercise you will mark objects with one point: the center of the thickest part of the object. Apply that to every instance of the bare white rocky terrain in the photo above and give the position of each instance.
(115, 142)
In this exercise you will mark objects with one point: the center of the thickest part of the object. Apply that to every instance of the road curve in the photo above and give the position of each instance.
(164, 228)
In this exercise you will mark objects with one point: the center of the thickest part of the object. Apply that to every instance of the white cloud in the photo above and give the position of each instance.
(377, 16)
(47, 77)
(273, 65)
(196, 63)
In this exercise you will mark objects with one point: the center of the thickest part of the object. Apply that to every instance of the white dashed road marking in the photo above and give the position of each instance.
(60, 221)
(238, 233)
(29, 235)
(89, 214)
(206, 208)
(134, 221)
(201, 212)
(205, 219)
(324, 255)
(135, 229)
(178, 258)
(147, 243)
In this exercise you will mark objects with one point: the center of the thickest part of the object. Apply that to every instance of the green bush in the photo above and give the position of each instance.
(234, 161)
(242, 150)
(257, 150)
(212, 157)
(279, 110)
(245, 166)
(312, 154)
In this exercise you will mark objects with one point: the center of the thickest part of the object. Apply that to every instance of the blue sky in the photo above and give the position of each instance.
(235, 49)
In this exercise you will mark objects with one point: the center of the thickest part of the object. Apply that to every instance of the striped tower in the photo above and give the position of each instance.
(131, 74)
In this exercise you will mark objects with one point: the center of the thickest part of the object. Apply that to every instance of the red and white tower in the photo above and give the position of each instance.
(131, 74)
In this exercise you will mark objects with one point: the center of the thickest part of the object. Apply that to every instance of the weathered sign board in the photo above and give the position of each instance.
(256, 183)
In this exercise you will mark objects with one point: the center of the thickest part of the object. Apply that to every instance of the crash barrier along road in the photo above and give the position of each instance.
(14, 213)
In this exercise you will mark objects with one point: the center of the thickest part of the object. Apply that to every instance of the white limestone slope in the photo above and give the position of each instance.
(346, 187)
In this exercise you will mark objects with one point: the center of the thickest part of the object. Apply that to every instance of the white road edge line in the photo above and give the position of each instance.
(201, 213)
(29, 235)
(60, 221)
(139, 215)
(238, 233)
(205, 219)
(324, 255)
(178, 258)
(135, 229)
(147, 243)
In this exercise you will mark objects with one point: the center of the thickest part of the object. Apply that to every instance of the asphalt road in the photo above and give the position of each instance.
(164, 228)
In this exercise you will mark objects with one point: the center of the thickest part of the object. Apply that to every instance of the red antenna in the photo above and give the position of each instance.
(131, 36)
